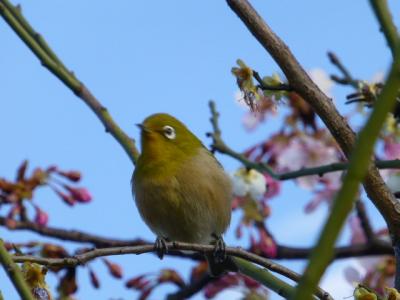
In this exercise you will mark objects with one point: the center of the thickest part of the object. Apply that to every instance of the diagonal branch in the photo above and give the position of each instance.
(12, 15)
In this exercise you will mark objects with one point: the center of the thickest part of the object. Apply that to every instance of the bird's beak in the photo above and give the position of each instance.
(142, 127)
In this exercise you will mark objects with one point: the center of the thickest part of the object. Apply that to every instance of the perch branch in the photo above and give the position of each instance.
(83, 258)
(283, 252)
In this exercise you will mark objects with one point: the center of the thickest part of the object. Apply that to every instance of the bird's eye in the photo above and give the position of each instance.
(169, 132)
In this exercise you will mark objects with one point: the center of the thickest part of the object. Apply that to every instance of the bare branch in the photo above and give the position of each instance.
(83, 258)
(347, 79)
(70, 235)
(365, 223)
(376, 248)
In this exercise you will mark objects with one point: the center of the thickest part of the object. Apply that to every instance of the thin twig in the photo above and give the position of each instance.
(220, 146)
(347, 79)
(70, 235)
(15, 274)
(364, 220)
(358, 250)
(262, 85)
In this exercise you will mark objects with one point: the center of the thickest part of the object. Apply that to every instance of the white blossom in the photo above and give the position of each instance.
(248, 182)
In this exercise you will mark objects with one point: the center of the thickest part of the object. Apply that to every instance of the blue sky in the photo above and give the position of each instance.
(142, 57)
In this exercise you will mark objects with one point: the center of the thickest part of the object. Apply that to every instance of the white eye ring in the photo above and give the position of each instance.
(169, 132)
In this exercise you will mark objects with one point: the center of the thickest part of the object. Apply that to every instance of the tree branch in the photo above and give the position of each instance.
(220, 146)
(14, 273)
(358, 250)
(83, 258)
(364, 220)
(265, 278)
(49, 60)
(283, 252)
(347, 79)
(70, 235)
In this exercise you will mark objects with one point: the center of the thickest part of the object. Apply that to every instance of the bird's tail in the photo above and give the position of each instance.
(218, 268)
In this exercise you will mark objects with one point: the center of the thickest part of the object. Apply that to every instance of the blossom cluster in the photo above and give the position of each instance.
(19, 193)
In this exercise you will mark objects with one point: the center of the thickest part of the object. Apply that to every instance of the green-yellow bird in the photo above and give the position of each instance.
(181, 190)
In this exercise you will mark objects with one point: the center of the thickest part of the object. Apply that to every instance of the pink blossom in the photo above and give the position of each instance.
(265, 245)
(41, 217)
(325, 194)
(252, 119)
(304, 151)
(391, 149)
(273, 187)
(79, 194)
(357, 233)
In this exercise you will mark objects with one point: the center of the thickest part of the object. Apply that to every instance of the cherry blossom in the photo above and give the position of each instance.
(249, 182)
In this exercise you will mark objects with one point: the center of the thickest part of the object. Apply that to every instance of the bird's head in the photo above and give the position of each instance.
(163, 136)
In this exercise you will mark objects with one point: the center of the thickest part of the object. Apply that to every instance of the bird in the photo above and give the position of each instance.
(181, 191)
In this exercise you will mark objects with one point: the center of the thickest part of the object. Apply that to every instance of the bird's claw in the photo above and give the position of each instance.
(219, 249)
(160, 246)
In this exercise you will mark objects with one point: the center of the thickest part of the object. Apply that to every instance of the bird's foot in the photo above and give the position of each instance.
(219, 249)
(160, 246)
